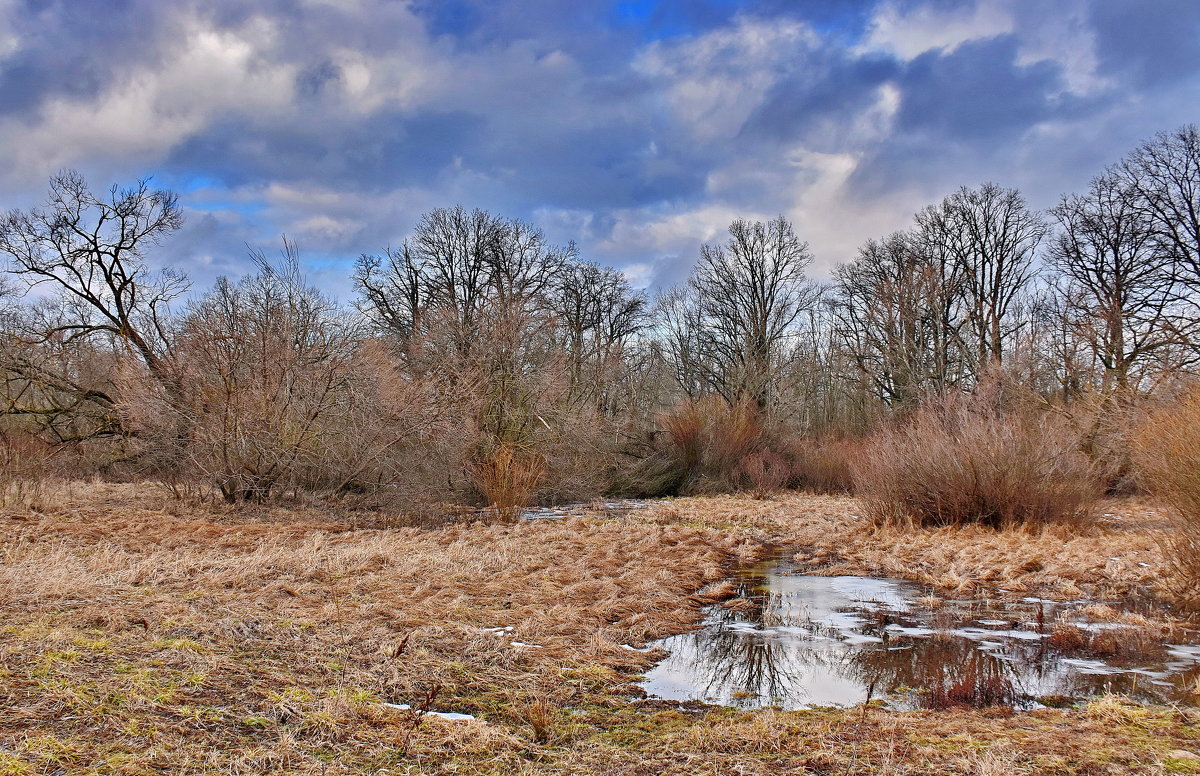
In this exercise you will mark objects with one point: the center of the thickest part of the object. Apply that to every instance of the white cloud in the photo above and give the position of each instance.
(148, 110)
(910, 32)
(641, 153)
(1065, 38)
(713, 83)
(9, 40)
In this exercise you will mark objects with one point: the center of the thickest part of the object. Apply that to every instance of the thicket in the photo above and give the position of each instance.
(481, 363)
(988, 457)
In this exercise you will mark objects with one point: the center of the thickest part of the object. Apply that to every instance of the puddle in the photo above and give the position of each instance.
(613, 508)
(800, 641)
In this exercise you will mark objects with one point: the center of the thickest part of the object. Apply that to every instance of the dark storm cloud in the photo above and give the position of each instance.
(635, 126)
(66, 52)
(837, 88)
(383, 151)
(977, 93)
(1150, 43)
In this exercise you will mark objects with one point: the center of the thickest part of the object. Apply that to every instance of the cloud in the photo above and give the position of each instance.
(638, 128)
(911, 31)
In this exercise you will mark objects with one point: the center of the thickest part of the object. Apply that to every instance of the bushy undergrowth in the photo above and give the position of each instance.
(825, 464)
(1167, 455)
(706, 444)
(24, 465)
(985, 458)
(711, 446)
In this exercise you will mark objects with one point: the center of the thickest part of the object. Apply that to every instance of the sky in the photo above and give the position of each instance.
(637, 128)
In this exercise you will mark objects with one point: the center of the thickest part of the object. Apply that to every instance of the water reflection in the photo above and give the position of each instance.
(793, 641)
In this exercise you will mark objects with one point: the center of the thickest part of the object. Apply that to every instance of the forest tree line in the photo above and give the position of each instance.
(481, 363)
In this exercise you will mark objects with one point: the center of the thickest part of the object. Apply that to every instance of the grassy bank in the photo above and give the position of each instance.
(1117, 556)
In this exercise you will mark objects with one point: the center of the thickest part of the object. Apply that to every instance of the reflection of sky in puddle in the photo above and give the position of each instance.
(811, 641)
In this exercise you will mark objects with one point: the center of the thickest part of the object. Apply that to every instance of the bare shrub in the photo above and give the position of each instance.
(267, 371)
(710, 446)
(24, 468)
(1167, 457)
(764, 473)
(582, 454)
(977, 459)
(275, 388)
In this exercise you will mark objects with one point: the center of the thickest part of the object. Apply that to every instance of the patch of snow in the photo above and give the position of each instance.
(442, 714)
(911, 630)
(861, 638)
(868, 590)
(1091, 666)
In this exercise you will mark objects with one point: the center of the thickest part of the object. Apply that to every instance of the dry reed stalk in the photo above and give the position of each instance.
(1167, 456)
(970, 459)
(508, 477)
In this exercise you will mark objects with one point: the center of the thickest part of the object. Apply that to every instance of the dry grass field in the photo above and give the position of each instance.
(142, 635)
(1118, 555)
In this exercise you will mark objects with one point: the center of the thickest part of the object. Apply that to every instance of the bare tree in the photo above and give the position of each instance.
(597, 314)
(742, 309)
(991, 235)
(899, 311)
(457, 272)
(1164, 173)
(89, 251)
(1117, 283)
(679, 340)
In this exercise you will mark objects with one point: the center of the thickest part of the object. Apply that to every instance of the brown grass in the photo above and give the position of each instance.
(1118, 556)
(146, 636)
(118, 613)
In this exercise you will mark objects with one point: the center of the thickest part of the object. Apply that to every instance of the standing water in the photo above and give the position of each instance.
(795, 641)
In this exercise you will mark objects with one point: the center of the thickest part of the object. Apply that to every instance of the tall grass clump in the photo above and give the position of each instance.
(988, 458)
(508, 477)
(707, 444)
(1167, 458)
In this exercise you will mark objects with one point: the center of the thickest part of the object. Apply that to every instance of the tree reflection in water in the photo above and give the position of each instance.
(941, 670)
(798, 641)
